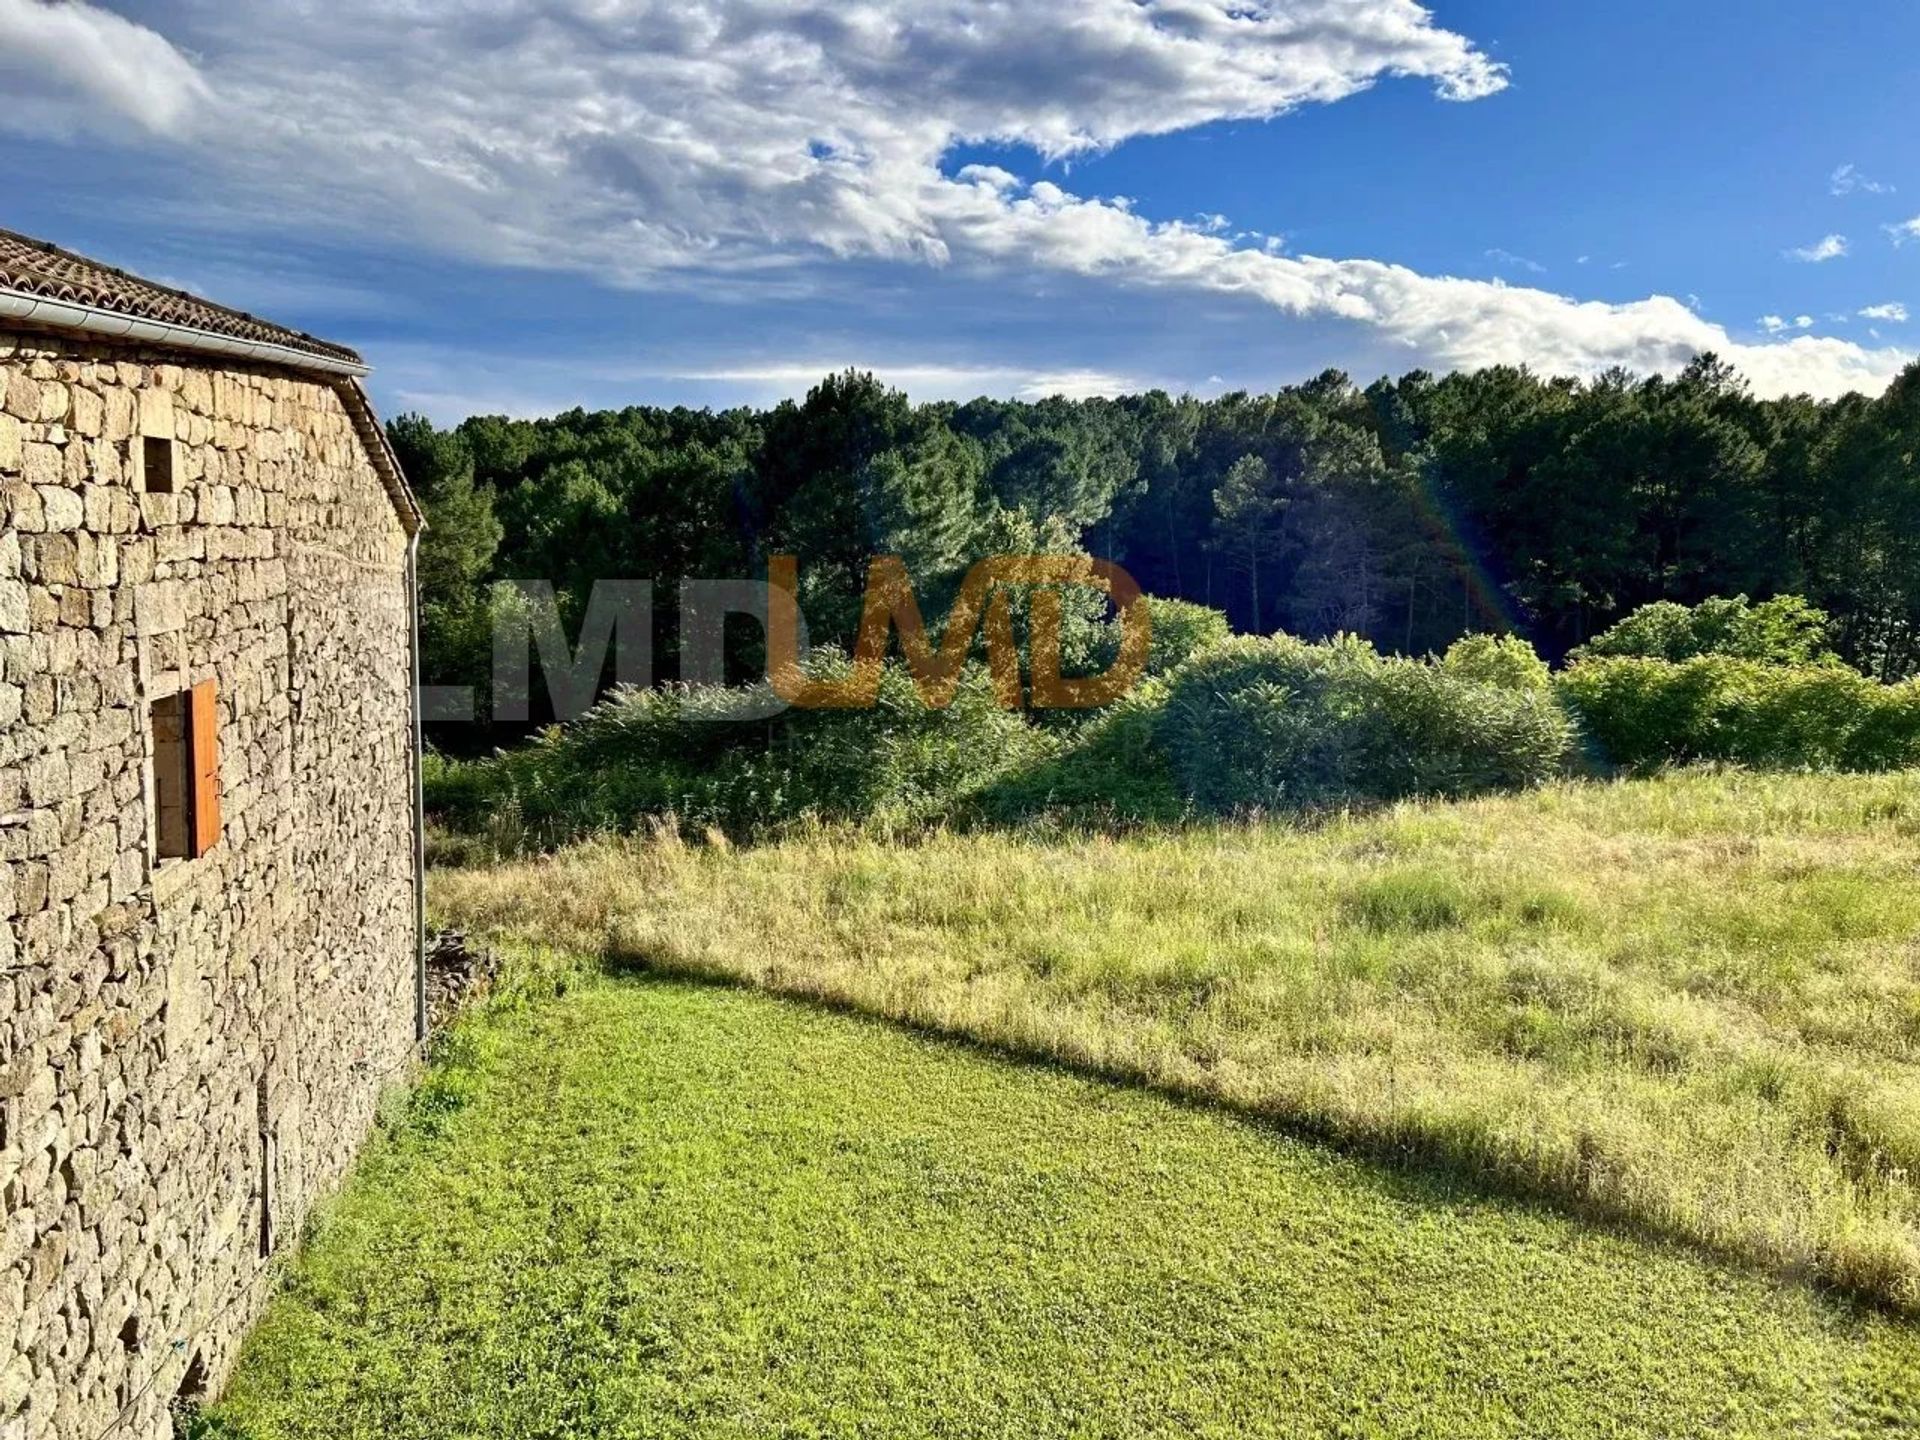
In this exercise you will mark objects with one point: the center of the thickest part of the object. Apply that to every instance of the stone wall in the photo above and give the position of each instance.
(190, 1050)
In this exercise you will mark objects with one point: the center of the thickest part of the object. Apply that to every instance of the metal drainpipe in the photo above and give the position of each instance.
(419, 796)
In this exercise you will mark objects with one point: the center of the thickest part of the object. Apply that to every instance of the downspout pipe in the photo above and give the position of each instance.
(37, 310)
(418, 750)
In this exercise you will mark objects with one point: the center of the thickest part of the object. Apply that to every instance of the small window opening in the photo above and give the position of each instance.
(172, 779)
(186, 773)
(157, 458)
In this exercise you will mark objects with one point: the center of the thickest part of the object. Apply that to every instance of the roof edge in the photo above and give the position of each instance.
(41, 270)
(373, 439)
(37, 310)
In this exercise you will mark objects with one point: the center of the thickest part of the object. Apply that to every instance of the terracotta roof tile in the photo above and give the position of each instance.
(33, 267)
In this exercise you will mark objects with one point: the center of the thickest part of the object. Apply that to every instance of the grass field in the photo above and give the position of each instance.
(652, 1208)
(1692, 1003)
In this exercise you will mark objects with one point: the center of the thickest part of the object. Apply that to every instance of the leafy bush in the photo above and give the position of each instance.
(1639, 713)
(1237, 724)
(1111, 770)
(1505, 661)
(707, 756)
(1089, 646)
(459, 792)
(1181, 630)
(1281, 724)
(1785, 630)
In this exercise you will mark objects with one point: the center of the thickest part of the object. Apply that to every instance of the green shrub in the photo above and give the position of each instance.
(710, 757)
(1785, 630)
(1639, 713)
(1242, 724)
(458, 792)
(1111, 770)
(1282, 724)
(1505, 661)
(1887, 737)
(1181, 630)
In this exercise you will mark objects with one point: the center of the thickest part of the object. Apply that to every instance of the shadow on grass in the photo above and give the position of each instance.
(1422, 1170)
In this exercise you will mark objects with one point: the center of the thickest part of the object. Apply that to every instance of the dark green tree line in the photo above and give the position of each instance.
(1412, 511)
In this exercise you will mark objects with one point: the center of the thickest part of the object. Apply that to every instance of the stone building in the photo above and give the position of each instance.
(209, 878)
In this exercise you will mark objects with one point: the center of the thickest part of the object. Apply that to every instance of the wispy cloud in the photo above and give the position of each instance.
(449, 383)
(1847, 180)
(1775, 325)
(1906, 230)
(928, 382)
(1893, 312)
(1830, 247)
(1516, 262)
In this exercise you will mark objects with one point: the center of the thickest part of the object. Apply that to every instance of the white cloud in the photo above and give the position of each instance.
(1516, 262)
(1081, 385)
(1775, 325)
(451, 384)
(637, 138)
(1906, 230)
(52, 53)
(1439, 319)
(924, 381)
(1832, 247)
(747, 146)
(1848, 179)
(1892, 311)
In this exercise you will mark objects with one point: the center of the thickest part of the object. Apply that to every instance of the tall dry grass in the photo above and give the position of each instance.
(1691, 1002)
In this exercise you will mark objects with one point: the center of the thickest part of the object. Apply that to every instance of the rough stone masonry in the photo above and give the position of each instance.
(190, 1048)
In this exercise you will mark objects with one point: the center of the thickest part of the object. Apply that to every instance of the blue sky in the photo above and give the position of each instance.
(529, 204)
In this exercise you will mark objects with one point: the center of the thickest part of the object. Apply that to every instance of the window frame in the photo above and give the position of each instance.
(198, 758)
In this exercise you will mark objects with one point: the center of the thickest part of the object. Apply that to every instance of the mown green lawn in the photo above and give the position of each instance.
(651, 1208)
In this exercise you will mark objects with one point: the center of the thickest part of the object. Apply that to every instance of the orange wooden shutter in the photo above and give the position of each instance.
(203, 730)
